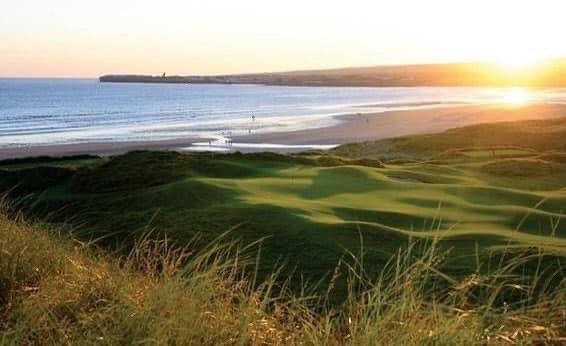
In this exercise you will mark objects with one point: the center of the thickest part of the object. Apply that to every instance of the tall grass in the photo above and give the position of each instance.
(56, 290)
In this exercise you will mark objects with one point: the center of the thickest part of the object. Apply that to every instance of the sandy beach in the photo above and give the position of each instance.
(358, 128)
(354, 128)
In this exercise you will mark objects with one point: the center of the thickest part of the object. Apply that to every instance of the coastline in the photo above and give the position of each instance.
(352, 128)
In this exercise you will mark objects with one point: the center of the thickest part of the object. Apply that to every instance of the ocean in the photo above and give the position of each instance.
(60, 111)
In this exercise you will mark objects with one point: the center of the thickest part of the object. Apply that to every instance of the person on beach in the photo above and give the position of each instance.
(252, 126)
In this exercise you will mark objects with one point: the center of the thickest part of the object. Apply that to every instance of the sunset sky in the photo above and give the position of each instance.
(85, 39)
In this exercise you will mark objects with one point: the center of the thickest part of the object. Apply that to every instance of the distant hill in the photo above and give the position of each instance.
(550, 74)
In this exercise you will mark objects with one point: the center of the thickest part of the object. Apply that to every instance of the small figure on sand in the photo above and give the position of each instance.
(251, 126)
(227, 137)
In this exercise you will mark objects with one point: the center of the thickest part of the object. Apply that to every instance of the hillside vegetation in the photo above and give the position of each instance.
(412, 232)
(511, 139)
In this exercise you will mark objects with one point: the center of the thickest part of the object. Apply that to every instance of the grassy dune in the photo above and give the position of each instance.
(308, 214)
(477, 196)
(532, 135)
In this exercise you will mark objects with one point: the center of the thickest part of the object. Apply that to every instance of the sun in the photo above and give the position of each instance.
(516, 97)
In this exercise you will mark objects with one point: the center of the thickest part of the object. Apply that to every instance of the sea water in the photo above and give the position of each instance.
(59, 111)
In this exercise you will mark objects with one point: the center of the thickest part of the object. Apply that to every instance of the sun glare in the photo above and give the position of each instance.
(516, 97)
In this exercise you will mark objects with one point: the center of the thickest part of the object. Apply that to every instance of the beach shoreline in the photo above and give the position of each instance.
(352, 128)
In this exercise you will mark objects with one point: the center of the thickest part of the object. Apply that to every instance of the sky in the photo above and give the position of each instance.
(70, 38)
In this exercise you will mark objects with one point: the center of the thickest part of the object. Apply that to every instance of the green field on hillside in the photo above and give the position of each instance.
(475, 192)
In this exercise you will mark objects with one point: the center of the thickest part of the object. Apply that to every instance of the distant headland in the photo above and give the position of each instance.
(162, 79)
(549, 74)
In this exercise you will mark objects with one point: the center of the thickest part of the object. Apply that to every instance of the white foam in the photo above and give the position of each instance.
(221, 146)
(203, 148)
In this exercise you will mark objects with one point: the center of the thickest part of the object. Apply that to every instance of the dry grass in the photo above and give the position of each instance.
(55, 290)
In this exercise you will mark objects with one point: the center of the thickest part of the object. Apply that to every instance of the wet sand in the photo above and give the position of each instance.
(354, 128)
